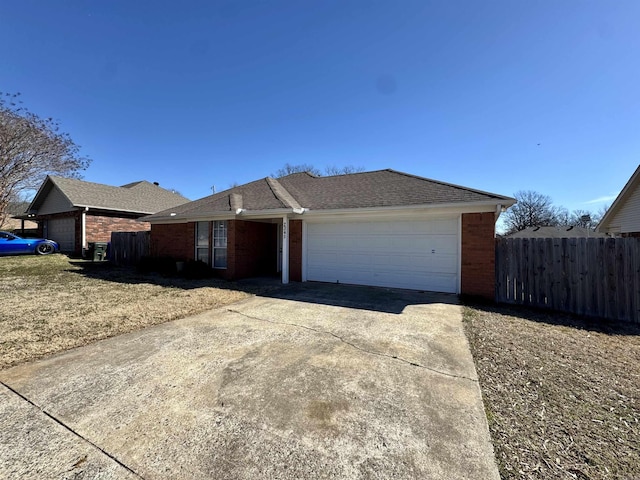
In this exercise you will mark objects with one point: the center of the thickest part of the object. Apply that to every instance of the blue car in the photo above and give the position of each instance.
(11, 244)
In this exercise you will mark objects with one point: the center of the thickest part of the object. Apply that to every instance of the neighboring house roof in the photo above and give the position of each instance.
(624, 214)
(12, 220)
(299, 192)
(139, 197)
(556, 232)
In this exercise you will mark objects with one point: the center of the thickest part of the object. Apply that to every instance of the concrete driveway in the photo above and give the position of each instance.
(314, 381)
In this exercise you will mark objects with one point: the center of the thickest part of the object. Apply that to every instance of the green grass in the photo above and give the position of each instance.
(32, 265)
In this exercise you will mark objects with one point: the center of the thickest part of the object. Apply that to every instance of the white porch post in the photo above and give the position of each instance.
(83, 235)
(285, 249)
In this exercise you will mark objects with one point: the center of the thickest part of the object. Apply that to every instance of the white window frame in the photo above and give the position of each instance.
(204, 246)
(219, 226)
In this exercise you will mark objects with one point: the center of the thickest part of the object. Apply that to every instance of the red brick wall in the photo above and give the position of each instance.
(175, 240)
(98, 228)
(478, 255)
(295, 250)
(250, 249)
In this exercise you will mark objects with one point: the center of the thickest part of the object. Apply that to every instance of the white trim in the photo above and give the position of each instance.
(304, 251)
(383, 217)
(444, 208)
(212, 246)
(285, 250)
(108, 209)
(245, 215)
(83, 233)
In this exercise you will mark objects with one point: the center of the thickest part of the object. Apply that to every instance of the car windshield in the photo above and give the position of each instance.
(8, 236)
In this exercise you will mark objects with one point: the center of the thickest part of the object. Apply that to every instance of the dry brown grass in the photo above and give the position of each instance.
(562, 394)
(49, 304)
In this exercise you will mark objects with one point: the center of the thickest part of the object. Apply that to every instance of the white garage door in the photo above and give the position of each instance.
(63, 231)
(420, 255)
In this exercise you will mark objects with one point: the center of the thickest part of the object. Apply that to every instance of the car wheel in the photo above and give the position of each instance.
(45, 249)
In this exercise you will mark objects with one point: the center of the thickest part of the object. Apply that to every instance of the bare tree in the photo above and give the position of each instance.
(532, 210)
(30, 149)
(584, 219)
(333, 170)
(288, 169)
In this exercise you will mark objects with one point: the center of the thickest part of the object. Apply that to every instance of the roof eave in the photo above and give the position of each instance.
(454, 207)
(225, 215)
(111, 209)
(462, 207)
(631, 184)
(43, 191)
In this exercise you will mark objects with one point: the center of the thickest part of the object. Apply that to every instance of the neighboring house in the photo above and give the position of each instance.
(15, 224)
(623, 217)
(556, 232)
(74, 212)
(382, 228)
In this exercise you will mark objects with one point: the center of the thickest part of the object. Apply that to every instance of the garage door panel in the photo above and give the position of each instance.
(62, 231)
(418, 254)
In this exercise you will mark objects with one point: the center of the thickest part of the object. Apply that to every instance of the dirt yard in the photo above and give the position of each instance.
(49, 304)
(562, 394)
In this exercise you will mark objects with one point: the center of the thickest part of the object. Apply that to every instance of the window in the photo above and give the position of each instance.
(220, 244)
(202, 242)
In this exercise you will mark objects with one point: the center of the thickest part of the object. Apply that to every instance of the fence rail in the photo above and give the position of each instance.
(587, 276)
(128, 247)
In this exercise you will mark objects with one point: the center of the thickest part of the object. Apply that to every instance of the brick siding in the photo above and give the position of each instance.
(251, 246)
(478, 255)
(173, 240)
(251, 249)
(98, 228)
(295, 250)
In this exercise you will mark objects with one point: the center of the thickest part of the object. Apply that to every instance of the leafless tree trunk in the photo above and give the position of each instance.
(30, 149)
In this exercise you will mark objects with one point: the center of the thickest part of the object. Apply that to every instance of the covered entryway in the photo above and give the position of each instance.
(415, 254)
(63, 231)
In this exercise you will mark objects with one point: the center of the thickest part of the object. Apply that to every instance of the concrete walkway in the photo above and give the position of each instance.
(316, 381)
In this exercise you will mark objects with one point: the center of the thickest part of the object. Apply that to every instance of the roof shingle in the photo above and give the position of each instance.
(138, 197)
(381, 188)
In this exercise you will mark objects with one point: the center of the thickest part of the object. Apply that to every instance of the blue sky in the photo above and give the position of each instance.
(496, 95)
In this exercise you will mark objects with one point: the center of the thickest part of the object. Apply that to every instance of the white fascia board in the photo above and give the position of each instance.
(107, 209)
(244, 215)
(409, 211)
(264, 213)
(202, 218)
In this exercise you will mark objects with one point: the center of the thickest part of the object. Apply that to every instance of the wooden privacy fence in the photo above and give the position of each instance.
(587, 276)
(128, 247)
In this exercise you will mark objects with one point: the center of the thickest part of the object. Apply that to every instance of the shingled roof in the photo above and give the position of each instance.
(556, 232)
(138, 197)
(377, 189)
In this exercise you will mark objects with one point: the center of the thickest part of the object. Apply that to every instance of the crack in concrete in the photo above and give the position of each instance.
(68, 428)
(353, 345)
